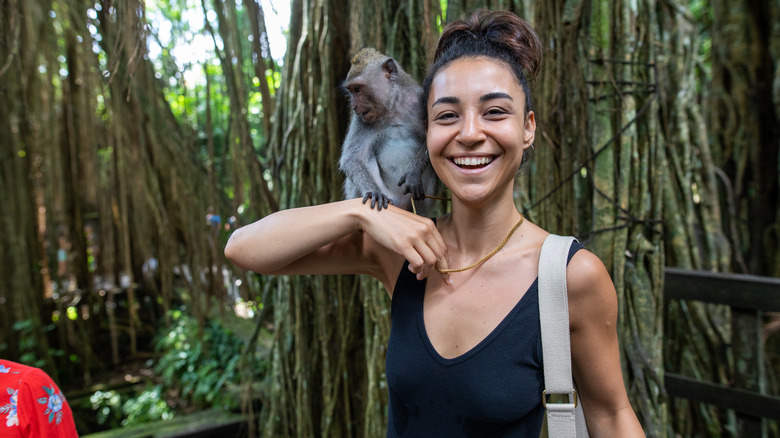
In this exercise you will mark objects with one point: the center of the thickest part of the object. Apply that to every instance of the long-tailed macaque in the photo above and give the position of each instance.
(384, 156)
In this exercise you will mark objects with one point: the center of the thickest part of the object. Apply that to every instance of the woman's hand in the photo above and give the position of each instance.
(413, 237)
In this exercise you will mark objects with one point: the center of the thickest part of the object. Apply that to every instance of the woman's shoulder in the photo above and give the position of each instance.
(586, 270)
(591, 292)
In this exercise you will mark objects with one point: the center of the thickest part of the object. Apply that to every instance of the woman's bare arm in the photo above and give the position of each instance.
(345, 237)
(273, 244)
(593, 311)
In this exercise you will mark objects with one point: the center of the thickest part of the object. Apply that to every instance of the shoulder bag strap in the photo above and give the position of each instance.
(556, 345)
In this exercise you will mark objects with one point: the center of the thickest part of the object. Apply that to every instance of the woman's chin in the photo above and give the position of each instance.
(473, 195)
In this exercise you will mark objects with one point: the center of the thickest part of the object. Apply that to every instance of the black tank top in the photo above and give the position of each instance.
(493, 390)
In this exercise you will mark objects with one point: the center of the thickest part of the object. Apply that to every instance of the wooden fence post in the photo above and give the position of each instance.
(749, 373)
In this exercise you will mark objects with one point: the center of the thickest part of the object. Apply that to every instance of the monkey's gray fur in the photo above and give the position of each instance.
(383, 155)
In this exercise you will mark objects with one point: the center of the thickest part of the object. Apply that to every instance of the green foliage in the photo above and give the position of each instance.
(107, 406)
(148, 406)
(202, 364)
(701, 11)
(443, 4)
(112, 409)
(197, 365)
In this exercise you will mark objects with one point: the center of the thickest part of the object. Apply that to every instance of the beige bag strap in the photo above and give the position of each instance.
(564, 420)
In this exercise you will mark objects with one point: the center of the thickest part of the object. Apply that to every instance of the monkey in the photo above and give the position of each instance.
(383, 156)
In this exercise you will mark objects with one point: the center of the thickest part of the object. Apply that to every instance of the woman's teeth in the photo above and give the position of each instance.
(472, 161)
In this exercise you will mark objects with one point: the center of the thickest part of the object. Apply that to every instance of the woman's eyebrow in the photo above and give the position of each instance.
(495, 95)
(447, 99)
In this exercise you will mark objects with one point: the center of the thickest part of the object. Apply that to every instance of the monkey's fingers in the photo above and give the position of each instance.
(382, 201)
(370, 195)
(416, 189)
(378, 200)
(402, 183)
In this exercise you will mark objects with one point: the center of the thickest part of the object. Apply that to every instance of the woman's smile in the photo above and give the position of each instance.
(472, 162)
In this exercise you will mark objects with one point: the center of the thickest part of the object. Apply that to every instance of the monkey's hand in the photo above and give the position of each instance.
(377, 199)
(413, 184)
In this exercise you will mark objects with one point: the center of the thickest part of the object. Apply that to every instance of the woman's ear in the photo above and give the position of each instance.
(530, 130)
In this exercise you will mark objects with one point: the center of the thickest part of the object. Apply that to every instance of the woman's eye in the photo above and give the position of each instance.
(445, 116)
(495, 112)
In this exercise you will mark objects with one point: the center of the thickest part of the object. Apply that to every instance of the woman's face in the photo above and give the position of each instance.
(477, 128)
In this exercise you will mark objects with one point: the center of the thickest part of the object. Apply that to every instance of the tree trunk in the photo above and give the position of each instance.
(24, 115)
(328, 355)
(745, 123)
(597, 173)
(261, 52)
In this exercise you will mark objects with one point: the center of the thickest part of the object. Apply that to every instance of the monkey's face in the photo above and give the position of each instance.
(366, 102)
(477, 128)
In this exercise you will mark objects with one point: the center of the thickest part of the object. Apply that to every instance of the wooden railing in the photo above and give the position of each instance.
(748, 296)
(204, 424)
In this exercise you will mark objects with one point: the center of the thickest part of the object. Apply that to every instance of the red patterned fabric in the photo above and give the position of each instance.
(31, 404)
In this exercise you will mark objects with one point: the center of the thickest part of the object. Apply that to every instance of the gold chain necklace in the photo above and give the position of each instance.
(414, 209)
(489, 255)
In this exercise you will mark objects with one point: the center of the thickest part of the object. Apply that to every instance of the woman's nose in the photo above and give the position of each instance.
(471, 131)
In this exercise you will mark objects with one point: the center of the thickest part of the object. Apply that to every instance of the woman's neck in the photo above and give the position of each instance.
(474, 231)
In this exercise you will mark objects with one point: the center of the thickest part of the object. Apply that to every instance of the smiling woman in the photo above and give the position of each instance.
(463, 357)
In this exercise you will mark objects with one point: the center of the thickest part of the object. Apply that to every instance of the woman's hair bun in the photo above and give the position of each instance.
(499, 31)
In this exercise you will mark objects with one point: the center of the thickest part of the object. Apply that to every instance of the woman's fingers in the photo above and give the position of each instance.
(441, 256)
(431, 253)
(425, 262)
(415, 238)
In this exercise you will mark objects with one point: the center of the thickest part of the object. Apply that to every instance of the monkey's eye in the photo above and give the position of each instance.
(355, 88)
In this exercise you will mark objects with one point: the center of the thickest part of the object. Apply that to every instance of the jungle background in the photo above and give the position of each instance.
(135, 136)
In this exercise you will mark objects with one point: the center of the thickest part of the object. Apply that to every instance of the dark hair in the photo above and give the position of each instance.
(501, 35)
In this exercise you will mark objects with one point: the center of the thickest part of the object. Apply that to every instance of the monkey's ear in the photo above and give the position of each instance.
(390, 68)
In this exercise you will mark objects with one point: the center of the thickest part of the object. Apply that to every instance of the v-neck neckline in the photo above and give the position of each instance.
(520, 305)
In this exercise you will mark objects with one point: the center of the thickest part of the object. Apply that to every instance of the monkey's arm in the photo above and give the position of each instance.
(419, 179)
(364, 176)
(369, 190)
(342, 237)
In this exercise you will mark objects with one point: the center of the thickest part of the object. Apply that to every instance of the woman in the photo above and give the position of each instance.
(464, 357)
